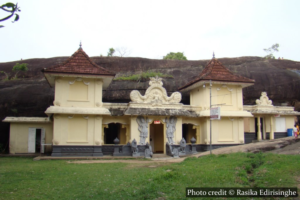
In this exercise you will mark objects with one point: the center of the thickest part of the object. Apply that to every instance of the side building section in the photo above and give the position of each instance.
(269, 122)
(30, 135)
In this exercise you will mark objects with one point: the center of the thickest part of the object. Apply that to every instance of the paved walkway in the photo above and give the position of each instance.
(286, 145)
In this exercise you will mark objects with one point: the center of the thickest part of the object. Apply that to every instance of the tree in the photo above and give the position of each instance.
(123, 51)
(16, 68)
(271, 50)
(12, 9)
(20, 67)
(174, 56)
(110, 52)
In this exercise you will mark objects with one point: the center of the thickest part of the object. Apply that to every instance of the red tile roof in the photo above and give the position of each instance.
(215, 71)
(79, 63)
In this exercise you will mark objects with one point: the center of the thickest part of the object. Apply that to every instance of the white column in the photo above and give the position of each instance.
(264, 129)
(271, 129)
(258, 129)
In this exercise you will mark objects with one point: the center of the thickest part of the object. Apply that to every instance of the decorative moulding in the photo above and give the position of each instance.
(97, 142)
(264, 100)
(56, 103)
(156, 94)
(78, 79)
(56, 142)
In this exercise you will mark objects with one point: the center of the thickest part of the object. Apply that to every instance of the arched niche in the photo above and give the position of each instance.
(190, 130)
(115, 130)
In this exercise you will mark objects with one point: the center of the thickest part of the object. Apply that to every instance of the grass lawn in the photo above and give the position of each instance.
(23, 178)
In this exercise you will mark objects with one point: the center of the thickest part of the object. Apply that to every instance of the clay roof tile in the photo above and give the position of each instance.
(79, 63)
(215, 71)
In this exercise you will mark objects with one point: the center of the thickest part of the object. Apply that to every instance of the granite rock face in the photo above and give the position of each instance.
(30, 95)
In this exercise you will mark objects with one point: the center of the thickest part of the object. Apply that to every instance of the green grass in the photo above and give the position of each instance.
(23, 178)
(142, 76)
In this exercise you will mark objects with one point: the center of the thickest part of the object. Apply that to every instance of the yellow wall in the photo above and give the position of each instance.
(231, 100)
(224, 131)
(77, 130)
(18, 141)
(72, 92)
(289, 122)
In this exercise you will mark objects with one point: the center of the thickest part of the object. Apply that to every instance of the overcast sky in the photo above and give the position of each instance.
(152, 28)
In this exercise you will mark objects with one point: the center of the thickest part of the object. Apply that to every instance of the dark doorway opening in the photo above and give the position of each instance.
(188, 132)
(114, 131)
(38, 135)
(157, 137)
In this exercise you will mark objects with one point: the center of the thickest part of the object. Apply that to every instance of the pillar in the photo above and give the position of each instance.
(271, 128)
(264, 130)
(127, 134)
(258, 129)
(102, 136)
(98, 131)
(198, 138)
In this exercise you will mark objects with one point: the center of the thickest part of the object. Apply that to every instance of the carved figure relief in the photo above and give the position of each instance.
(171, 127)
(182, 145)
(148, 151)
(143, 128)
(156, 94)
(134, 148)
(264, 100)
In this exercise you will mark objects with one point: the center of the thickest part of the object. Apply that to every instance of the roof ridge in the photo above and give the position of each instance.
(216, 71)
(80, 63)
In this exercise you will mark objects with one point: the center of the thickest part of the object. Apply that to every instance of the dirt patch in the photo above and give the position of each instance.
(292, 149)
(143, 162)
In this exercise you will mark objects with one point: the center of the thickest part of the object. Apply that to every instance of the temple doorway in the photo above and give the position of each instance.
(157, 137)
(188, 132)
(114, 131)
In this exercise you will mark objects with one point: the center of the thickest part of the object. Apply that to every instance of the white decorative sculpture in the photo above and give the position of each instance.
(155, 94)
(264, 100)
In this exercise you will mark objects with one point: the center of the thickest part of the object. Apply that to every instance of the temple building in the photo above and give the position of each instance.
(80, 124)
(269, 122)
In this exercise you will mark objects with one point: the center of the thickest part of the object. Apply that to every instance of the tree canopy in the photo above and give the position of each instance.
(175, 56)
(271, 50)
(110, 52)
(12, 9)
(20, 67)
(16, 68)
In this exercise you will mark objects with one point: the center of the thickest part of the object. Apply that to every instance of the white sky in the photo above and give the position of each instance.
(153, 28)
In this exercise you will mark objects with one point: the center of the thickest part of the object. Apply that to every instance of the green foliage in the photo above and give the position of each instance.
(271, 50)
(20, 67)
(6, 74)
(174, 56)
(142, 76)
(23, 178)
(16, 68)
(12, 9)
(111, 52)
